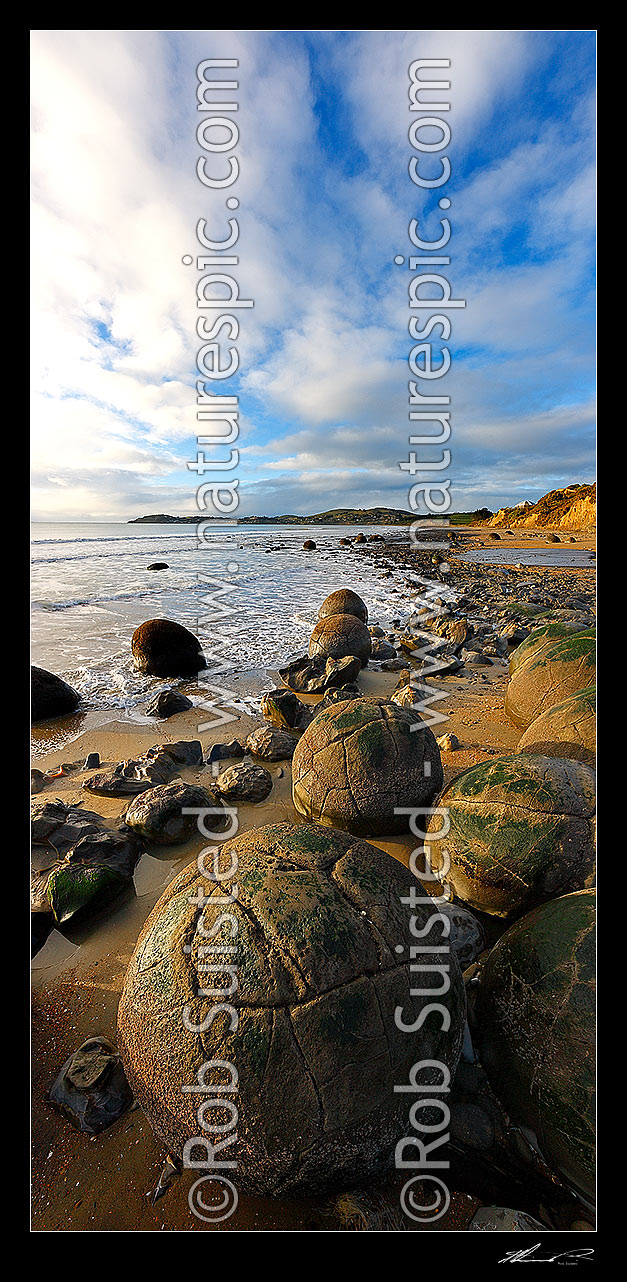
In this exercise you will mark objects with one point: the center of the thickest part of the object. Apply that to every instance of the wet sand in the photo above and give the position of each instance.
(103, 1183)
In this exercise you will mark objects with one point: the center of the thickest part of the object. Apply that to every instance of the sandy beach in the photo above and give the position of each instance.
(104, 1182)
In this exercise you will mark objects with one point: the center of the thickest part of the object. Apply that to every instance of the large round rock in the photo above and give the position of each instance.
(359, 761)
(51, 696)
(341, 635)
(163, 648)
(344, 601)
(553, 674)
(566, 730)
(158, 814)
(542, 639)
(521, 830)
(322, 954)
(536, 1030)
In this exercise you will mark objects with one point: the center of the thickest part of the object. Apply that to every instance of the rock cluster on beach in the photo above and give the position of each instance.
(323, 936)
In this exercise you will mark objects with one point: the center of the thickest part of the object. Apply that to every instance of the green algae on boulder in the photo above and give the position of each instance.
(344, 601)
(540, 640)
(566, 730)
(535, 1014)
(339, 636)
(550, 676)
(317, 1049)
(359, 761)
(521, 831)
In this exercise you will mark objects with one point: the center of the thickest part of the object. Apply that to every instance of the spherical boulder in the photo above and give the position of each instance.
(50, 695)
(359, 761)
(539, 640)
(309, 545)
(157, 815)
(520, 830)
(566, 730)
(551, 676)
(344, 601)
(323, 944)
(341, 635)
(536, 1014)
(162, 648)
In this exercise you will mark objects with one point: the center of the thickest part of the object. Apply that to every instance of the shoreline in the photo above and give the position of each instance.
(77, 976)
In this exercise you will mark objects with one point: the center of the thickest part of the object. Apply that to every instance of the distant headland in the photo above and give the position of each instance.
(336, 516)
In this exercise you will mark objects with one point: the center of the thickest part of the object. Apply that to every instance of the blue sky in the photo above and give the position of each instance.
(325, 200)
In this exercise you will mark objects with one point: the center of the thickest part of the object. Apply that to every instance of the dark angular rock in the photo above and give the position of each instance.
(91, 1090)
(245, 782)
(167, 704)
(225, 751)
(78, 864)
(158, 815)
(284, 709)
(50, 695)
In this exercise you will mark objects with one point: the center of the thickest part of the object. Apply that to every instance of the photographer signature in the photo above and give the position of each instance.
(529, 1256)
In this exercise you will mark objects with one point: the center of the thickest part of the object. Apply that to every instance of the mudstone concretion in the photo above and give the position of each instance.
(536, 1016)
(567, 730)
(245, 782)
(551, 676)
(157, 815)
(163, 648)
(339, 636)
(50, 695)
(318, 1053)
(520, 830)
(360, 760)
(539, 640)
(344, 601)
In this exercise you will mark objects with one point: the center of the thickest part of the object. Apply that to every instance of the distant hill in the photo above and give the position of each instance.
(336, 516)
(574, 508)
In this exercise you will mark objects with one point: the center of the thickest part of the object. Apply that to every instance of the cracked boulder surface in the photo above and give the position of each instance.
(521, 831)
(344, 601)
(536, 1017)
(566, 730)
(542, 639)
(318, 925)
(340, 636)
(360, 760)
(551, 675)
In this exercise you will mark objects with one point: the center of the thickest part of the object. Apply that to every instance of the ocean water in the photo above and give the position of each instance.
(91, 589)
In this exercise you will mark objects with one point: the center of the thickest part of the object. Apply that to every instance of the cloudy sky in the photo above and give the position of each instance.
(325, 200)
